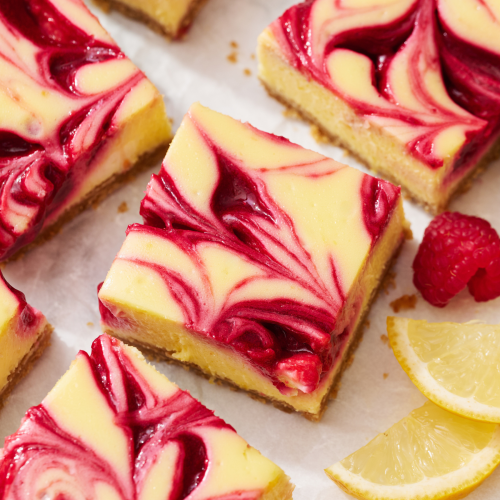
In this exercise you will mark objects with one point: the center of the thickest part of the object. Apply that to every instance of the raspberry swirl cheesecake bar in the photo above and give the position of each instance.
(24, 334)
(77, 117)
(114, 428)
(409, 86)
(170, 18)
(256, 263)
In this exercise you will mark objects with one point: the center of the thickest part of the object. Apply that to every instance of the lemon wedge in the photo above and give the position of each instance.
(457, 366)
(430, 454)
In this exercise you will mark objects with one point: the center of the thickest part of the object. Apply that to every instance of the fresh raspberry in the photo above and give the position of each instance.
(458, 250)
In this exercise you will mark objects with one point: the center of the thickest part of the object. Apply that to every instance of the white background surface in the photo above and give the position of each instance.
(60, 278)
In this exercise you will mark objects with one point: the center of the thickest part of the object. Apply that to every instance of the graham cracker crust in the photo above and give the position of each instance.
(323, 135)
(26, 363)
(153, 24)
(158, 354)
(96, 196)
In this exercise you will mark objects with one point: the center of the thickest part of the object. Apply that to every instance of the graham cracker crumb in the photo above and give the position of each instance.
(247, 72)
(389, 282)
(408, 233)
(233, 57)
(291, 113)
(90, 324)
(319, 136)
(252, 56)
(385, 339)
(335, 391)
(385, 375)
(404, 303)
(367, 323)
(234, 44)
(122, 207)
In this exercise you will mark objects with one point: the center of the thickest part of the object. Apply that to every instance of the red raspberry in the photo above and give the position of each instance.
(458, 250)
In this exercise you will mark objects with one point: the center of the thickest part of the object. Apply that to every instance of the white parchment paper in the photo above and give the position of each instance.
(60, 277)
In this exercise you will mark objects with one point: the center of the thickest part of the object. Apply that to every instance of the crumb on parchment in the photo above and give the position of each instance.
(389, 282)
(404, 303)
(122, 207)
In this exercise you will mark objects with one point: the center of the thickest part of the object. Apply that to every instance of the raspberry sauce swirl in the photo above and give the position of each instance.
(412, 67)
(291, 228)
(56, 114)
(141, 437)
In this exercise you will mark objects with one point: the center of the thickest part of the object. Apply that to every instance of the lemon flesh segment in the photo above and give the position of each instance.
(430, 454)
(455, 365)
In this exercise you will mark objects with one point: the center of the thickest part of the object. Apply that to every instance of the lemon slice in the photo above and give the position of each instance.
(455, 365)
(430, 454)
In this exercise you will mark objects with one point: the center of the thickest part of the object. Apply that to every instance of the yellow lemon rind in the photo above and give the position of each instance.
(417, 370)
(451, 486)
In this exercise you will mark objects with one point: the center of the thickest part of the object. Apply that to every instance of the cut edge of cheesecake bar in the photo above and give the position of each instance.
(342, 126)
(135, 159)
(27, 362)
(176, 32)
(79, 409)
(197, 352)
(94, 198)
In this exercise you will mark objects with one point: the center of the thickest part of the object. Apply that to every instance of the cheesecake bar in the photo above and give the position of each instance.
(77, 117)
(114, 428)
(410, 87)
(256, 263)
(24, 334)
(170, 18)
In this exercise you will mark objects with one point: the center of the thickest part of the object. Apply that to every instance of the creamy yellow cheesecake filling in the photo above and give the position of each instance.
(257, 260)
(130, 433)
(395, 81)
(21, 327)
(75, 114)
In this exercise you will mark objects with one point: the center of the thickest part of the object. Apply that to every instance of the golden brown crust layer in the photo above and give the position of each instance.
(95, 197)
(323, 135)
(153, 24)
(27, 363)
(158, 354)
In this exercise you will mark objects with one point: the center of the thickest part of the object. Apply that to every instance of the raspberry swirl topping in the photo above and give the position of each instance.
(259, 243)
(115, 428)
(62, 80)
(424, 70)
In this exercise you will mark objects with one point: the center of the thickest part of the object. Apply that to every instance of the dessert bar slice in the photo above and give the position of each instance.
(24, 334)
(170, 18)
(410, 87)
(76, 117)
(115, 428)
(256, 263)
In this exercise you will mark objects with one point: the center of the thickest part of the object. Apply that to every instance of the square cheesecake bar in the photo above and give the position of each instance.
(409, 87)
(24, 334)
(77, 118)
(170, 18)
(131, 434)
(256, 263)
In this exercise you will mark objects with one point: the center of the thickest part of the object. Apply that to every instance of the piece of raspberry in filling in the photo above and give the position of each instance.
(115, 428)
(256, 263)
(410, 86)
(77, 116)
(24, 334)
